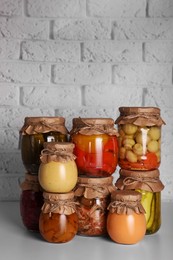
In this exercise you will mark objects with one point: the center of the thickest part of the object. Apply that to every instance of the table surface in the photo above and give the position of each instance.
(20, 244)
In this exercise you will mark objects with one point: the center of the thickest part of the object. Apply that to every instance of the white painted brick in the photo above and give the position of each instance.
(63, 96)
(159, 51)
(143, 74)
(23, 28)
(9, 96)
(143, 29)
(56, 51)
(112, 51)
(9, 188)
(82, 73)
(116, 8)
(9, 49)
(11, 7)
(56, 8)
(160, 8)
(82, 29)
(11, 162)
(23, 72)
(9, 139)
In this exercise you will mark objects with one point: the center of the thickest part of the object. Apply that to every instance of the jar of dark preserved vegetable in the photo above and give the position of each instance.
(36, 131)
(139, 138)
(58, 221)
(93, 196)
(150, 186)
(96, 146)
(31, 201)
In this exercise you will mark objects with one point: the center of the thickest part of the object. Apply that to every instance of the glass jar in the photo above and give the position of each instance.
(93, 197)
(139, 138)
(58, 221)
(31, 201)
(96, 146)
(58, 171)
(150, 186)
(36, 131)
(126, 223)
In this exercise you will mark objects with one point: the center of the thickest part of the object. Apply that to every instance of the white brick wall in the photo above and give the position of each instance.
(82, 58)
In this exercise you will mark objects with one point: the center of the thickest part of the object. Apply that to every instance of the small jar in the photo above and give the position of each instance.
(31, 201)
(58, 171)
(58, 221)
(139, 138)
(36, 131)
(93, 197)
(126, 223)
(150, 186)
(96, 146)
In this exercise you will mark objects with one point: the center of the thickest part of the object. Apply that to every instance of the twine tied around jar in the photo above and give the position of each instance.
(61, 155)
(126, 207)
(30, 183)
(148, 181)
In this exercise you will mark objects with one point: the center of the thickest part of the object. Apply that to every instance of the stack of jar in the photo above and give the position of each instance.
(96, 150)
(36, 131)
(139, 159)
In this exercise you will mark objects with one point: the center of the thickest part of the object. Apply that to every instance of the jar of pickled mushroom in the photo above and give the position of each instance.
(31, 201)
(150, 186)
(93, 197)
(96, 146)
(58, 221)
(139, 138)
(126, 223)
(36, 131)
(58, 171)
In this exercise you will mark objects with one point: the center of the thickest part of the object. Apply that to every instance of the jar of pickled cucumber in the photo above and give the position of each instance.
(139, 138)
(93, 197)
(58, 221)
(126, 223)
(31, 201)
(150, 186)
(36, 131)
(58, 171)
(96, 146)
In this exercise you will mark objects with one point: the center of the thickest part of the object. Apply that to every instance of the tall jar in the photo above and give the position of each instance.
(150, 186)
(93, 197)
(58, 221)
(36, 131)
(139, 138)
(58, 171)
(31, 201)
(126, 223)
(96, 146)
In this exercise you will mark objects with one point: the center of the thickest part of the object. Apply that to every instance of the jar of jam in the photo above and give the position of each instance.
(96, 146)
(93, 197)
(150, 186)
(31, 201)
(58, 171)
(36, 131)
(126, 223)
(58, 221)
(139, 138)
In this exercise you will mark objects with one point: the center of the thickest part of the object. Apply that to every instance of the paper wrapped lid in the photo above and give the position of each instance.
(35, 125)
(30, 183)
(126, 202)
(91, 126)
(143, 180)
(140, 116)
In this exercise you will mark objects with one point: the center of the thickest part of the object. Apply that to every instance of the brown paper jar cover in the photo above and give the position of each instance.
(30, 183)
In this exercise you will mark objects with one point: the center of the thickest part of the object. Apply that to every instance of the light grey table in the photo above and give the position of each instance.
(16, 243)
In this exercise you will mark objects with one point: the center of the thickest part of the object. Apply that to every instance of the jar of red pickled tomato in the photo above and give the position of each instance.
(93, 197)
(150, 186)
(58, 221)
(96, 146)
(31, 201)
(58, 171)
(139, 138)
(126, 223)
(36, 131)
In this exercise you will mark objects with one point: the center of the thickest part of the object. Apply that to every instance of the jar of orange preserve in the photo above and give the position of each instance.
(126, 223)
(58, 221)
(96, 146)
(139, 138)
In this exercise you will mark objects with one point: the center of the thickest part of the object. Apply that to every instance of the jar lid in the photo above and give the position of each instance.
(58, 196)
(97, 181)
(138, 110)
(92, 121)
(59, 146)
(126, 195)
